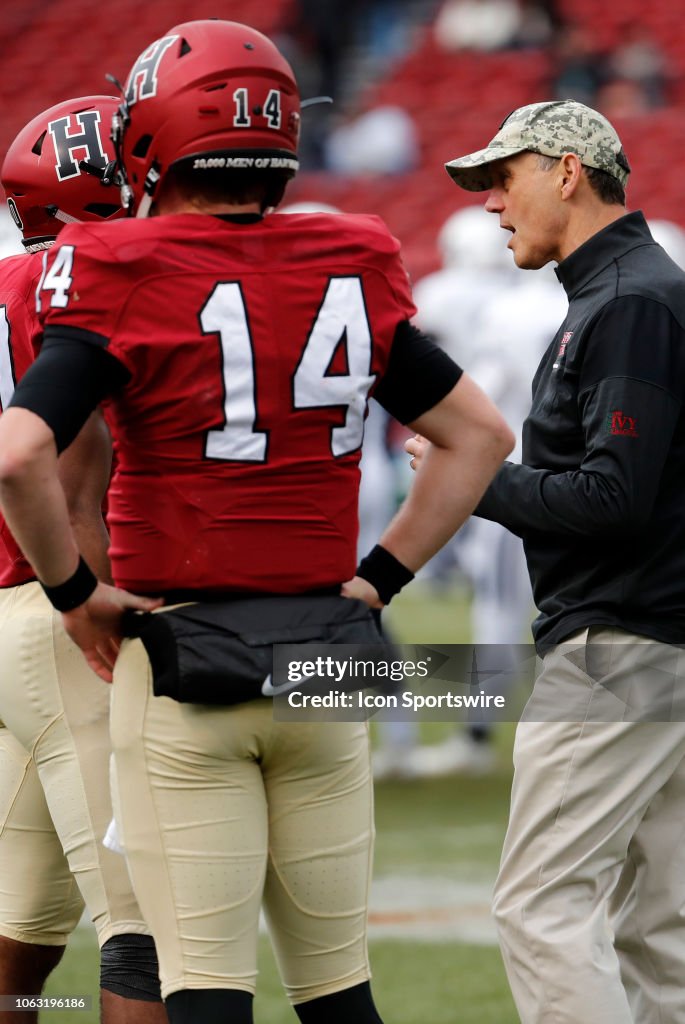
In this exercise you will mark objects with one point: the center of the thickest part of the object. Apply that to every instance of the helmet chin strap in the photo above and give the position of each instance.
(66, 218)
(39, 244)
(149, 188)
(144, 206)
(112, 174)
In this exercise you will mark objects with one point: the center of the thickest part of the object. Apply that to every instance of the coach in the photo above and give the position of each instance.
(590, 900)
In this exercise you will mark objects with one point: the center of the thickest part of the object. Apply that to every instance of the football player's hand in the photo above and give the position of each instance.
(362, 590)
(416, 446)
(96, 625)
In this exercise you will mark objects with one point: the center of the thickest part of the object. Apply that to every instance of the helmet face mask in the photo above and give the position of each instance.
(44, 181)
(214, 94)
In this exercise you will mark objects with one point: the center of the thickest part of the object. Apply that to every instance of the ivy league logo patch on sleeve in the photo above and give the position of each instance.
(621, 424)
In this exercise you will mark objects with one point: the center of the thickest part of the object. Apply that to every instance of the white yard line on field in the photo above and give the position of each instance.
(431, 910)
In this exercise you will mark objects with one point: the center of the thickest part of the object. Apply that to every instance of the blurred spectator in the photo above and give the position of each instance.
(639, 59)
(496, 321)
(578, 64)
(477, 24)
(537, 23)
(383, 28)
(315, 40)
(506, 340)
(322, 29)
(622, 98)
(475, 267)
(454, 305)
(381, 141)
(378, 492)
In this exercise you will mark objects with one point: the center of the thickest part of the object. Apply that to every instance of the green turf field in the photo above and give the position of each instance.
(413, 984)
(437, 849)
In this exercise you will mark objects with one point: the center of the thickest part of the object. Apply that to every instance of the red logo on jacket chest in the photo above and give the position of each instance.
(562, 348)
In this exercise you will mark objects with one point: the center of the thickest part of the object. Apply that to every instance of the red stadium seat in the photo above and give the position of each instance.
(456, 99)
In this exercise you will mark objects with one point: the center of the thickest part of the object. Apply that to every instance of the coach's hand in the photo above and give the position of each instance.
(96, 625)
(416, 446)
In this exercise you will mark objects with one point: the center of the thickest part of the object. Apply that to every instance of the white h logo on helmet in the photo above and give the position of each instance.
(145, 70)
(66, 141)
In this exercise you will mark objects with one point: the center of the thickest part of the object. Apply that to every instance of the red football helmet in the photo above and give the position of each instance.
(45, 184)
(217, 91)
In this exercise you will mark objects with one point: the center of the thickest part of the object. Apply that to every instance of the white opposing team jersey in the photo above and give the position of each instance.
(450, 303)
(513, 333)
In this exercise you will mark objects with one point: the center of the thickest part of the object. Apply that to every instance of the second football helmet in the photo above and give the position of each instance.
(42, 177)
(472, 238)
(215, 91)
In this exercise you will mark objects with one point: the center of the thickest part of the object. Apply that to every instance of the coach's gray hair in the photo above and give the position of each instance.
(608, 188)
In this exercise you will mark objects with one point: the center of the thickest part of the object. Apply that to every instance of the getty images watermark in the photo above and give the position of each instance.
(348, 681)
(350, 671)
(479, 683)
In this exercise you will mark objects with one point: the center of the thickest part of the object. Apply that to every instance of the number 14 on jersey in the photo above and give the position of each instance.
(341, 319)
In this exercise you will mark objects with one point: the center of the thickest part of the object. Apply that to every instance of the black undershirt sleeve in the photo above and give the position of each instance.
(71, 376)
(418, 375)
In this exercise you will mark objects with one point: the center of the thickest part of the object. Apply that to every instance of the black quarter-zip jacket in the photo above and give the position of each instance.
(599, 499)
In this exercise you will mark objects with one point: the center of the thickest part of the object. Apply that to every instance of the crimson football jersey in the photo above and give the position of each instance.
(19, 333)
(252, 348)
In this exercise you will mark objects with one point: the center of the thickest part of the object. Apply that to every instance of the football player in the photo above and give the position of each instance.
(54, 733)
(238, 348)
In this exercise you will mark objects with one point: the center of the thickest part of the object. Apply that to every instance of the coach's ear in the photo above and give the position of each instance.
(569, 173)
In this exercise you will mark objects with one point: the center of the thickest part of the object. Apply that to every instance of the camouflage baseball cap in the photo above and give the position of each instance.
(552, 129)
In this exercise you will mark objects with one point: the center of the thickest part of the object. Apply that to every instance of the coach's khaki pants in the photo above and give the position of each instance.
(223, 810)
(590, 899)
(54, 785)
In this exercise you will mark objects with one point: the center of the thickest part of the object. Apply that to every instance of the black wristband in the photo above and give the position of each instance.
(73, 591)
(383, 571)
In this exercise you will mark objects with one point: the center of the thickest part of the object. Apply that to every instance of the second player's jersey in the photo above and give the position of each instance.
(19, 332)
(252, 348)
